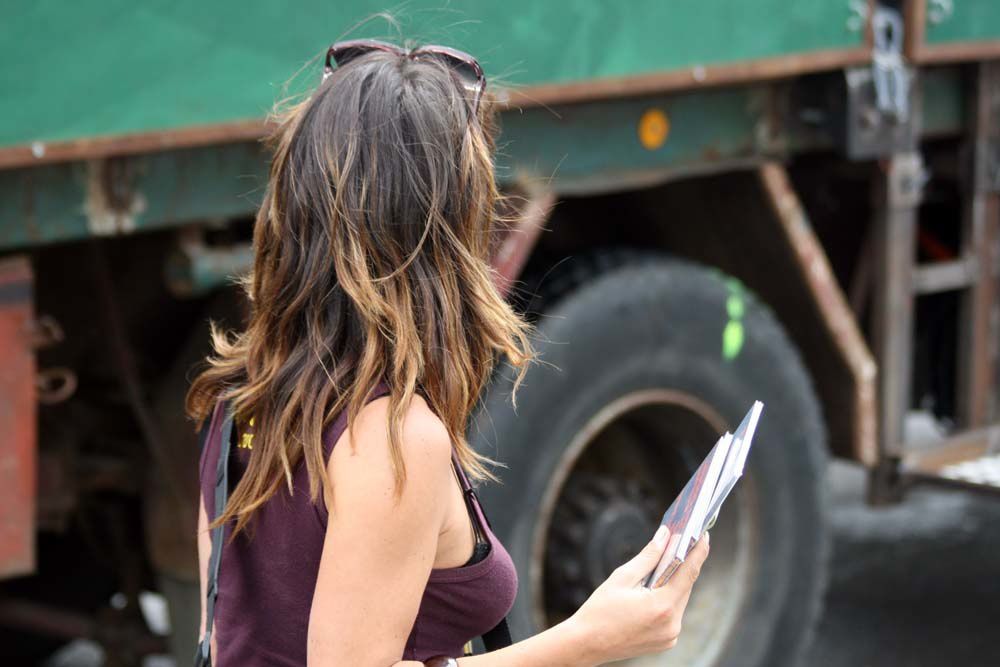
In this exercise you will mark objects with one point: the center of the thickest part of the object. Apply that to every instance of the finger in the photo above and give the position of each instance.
(682, 603)
(680, 584)
(635, 570)
(664, 570)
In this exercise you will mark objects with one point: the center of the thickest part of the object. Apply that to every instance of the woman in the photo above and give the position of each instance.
(374, 326)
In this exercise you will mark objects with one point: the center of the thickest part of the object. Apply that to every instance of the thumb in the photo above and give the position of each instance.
(635, 570)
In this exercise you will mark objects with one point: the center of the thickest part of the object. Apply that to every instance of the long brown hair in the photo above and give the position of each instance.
(371, 264)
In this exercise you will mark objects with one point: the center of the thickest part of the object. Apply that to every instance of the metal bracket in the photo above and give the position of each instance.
(892, 80)
(112, 203)
(886, 484)
(907, 178)
(881, 117)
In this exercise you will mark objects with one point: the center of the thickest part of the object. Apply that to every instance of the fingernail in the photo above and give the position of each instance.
(707, 538)
(660, 538)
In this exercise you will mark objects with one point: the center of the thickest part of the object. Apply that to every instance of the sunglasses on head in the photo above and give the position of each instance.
(462, 64)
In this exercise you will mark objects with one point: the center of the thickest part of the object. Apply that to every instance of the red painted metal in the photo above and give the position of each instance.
(518, 242)
(18, 420)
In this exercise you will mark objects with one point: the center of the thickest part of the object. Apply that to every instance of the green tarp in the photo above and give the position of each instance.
(107, 67)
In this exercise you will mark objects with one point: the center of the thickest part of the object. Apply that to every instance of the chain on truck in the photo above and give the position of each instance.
(715, 202)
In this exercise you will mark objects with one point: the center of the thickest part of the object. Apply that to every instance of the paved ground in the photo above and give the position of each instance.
(917, 585)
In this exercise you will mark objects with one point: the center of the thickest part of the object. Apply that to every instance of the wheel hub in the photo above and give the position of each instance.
(601, 522)
(618, 474)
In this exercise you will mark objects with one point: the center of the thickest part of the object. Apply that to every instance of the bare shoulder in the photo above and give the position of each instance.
(424, 434)
(364, 456)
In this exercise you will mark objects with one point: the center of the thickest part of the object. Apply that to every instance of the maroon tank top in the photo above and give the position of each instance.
(266, 579)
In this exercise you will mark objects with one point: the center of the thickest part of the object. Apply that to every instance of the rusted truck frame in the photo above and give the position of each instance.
(145, 230)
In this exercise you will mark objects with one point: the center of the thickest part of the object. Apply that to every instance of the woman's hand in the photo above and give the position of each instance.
(622, 619)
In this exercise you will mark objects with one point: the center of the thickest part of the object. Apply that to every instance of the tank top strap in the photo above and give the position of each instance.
(339, 425)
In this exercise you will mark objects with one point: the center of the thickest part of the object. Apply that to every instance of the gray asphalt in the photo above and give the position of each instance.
(916, 584)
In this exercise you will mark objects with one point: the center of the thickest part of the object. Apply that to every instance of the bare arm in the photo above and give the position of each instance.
(204, 552)
(379, 548)
(379, 551)
(620, 620)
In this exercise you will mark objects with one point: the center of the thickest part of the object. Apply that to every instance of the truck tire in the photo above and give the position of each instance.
(641, 367)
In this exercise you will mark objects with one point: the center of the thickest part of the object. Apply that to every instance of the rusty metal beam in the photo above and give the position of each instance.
(18, 407)
(910, 480)
(960, 447)
(519, 239)
(918, 50)
(898, 196)
(945, 276)
(914, 28)
(835, 312)
(92, 148)
(953, 53)
(691, 78)
(966, 460)
(979, 326)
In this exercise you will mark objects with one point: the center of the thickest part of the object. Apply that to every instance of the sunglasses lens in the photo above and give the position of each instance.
(344, 55)
(465, 70)
(467, 73)
(463, 65)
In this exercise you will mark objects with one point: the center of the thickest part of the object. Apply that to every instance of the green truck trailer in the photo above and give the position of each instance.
(716, 202)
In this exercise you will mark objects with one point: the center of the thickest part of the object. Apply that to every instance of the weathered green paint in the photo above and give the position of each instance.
(967, 21)
(942, 101)
(192, 64)
(576, 148)
(85, 69)
(583, 147)
(595, 146)
(199, 270)
(49, 204)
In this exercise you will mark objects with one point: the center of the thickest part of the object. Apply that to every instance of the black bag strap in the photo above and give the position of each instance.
(499, 636)
(203, 657)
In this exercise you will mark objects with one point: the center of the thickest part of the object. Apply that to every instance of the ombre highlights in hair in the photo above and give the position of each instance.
(371, 263)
